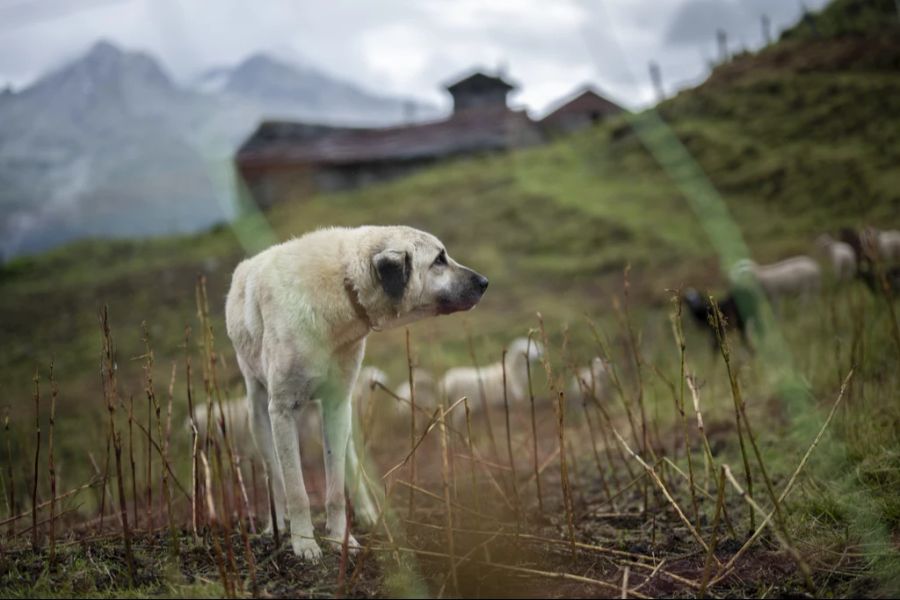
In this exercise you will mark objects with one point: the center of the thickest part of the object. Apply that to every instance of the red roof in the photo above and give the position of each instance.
(587, 100)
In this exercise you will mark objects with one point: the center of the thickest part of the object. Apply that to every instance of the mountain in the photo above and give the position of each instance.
(301, 92)
(97, 148)
(109, 145)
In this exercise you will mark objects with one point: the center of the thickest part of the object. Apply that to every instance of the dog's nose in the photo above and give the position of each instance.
(482, 282)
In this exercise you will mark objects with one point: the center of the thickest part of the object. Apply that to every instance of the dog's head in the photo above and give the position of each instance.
(418, 276)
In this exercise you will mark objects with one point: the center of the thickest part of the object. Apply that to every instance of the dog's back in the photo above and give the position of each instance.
(243, 319)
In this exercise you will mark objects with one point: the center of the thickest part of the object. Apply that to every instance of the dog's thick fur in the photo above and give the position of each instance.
(298, 315)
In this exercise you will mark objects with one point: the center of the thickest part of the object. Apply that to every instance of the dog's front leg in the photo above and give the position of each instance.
(363, 506)
(287, 447)
(336, 419)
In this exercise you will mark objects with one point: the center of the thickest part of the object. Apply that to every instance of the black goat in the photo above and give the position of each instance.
(738, 309)
(873, 281)
(851, 236)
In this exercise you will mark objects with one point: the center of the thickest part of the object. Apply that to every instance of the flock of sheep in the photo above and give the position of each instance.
(853, 256)
(799, 276)
(483, 386)
(847, 258)
(487, 383)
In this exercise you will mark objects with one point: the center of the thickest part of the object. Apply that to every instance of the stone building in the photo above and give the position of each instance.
(286, 161)
(582, 109)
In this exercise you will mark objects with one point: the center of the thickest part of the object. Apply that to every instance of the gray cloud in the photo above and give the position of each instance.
(407, 47)
(696, 21)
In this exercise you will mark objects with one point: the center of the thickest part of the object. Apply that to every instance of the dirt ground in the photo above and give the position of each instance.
(501, 557)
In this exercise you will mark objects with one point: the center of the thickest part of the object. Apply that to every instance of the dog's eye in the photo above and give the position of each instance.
(441, 260)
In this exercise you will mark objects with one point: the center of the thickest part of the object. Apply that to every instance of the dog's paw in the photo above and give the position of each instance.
(336, 542)
(307, 549)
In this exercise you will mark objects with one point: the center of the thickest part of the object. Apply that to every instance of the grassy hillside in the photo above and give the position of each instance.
(796, 140)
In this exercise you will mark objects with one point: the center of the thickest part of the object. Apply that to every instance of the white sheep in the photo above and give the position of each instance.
(464, 381)
(235, 412)
(426, 392)
(841, 257)
(594, 381)
(796, 276)
(889, 245)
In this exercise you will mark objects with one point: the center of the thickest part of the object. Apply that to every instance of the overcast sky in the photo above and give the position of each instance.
(405, 47)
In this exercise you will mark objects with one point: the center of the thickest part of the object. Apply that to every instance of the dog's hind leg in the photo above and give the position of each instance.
(261, 429)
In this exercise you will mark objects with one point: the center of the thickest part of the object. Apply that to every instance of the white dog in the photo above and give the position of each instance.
(298, 315)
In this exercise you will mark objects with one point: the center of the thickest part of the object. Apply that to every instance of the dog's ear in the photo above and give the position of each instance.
(393, 270)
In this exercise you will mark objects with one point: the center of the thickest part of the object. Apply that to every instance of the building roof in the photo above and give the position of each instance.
(584, 100)
(282, 144)
(480, 80)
